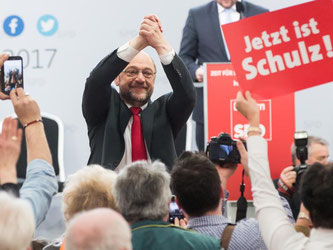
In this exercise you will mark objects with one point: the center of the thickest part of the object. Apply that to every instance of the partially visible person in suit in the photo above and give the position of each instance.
(203, 41)
(126, 126)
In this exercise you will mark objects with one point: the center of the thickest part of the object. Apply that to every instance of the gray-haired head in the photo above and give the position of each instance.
(17, 224)
(98, 229)
(142, 191)
(311, 141)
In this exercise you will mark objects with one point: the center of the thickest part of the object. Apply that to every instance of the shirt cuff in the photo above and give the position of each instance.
(126, 52)
(167, 58)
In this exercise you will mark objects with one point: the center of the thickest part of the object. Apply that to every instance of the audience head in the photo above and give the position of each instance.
(142, 191)
(196, 184)
(317, 195)
(88, 188)
(98, 229)
(17, 224)
(317, 151)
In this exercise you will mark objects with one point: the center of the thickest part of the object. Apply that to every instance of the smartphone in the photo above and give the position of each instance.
(175, 211)
(12, 74)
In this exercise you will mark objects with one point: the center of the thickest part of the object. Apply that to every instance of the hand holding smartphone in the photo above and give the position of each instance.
(11, 74)
(175, 211)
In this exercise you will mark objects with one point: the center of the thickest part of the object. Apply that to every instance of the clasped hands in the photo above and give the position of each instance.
(150, 34)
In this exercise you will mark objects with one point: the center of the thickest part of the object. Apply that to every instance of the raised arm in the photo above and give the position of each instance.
(276, 229)
(28, 113)
(181, 102)
(40, 183)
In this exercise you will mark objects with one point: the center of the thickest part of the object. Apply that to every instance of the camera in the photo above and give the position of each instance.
(301, 144)
(175, 211)
(223, 149)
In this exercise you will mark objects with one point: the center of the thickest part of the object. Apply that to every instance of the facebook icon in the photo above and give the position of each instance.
(13, 25)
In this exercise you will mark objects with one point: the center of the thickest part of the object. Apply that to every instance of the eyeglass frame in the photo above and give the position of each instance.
(138, 71)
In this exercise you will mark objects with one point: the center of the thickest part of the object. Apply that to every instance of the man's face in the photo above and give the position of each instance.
(318, 153)
(136, 83)
(226, 3)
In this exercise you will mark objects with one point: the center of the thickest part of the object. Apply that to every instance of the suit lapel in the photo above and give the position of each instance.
(213, 13)
(125, 115)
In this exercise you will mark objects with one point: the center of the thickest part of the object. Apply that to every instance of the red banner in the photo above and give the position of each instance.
(283, 51)
(277, 118)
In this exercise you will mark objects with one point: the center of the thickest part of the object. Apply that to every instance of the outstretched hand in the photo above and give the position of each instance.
(10, 148)
(25, 107)
(247, 106)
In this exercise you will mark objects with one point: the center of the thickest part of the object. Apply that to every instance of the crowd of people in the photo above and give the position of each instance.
(121, 200)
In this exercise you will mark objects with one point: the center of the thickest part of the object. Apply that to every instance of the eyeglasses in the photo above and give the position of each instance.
(135, 72)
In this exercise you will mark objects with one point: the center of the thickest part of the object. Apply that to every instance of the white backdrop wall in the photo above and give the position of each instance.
(88, 30)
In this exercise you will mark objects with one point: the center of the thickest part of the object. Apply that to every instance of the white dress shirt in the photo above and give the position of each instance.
(227, 16)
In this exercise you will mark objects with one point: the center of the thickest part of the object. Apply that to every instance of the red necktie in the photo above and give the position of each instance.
(138, 144)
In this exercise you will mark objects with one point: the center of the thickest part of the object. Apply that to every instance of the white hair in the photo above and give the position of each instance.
(17, 224)
(88, 188)
(142, 191)
(98, 229)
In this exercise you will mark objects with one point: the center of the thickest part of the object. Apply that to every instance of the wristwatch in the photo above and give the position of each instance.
(303, 215)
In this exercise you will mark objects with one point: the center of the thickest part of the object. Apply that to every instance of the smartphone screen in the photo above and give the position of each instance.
(175, 211)
(12, 74)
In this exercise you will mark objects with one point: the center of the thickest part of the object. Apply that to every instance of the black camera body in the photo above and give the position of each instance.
(301, 144)
(223, 149)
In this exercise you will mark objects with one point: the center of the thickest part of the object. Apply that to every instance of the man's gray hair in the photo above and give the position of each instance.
(142, 191)
(311, 140)
(17, 224)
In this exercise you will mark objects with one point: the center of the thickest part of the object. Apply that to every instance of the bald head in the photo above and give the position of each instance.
(143, 58)
(98, 229)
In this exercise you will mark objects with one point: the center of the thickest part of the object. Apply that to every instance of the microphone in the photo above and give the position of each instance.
(240, 8)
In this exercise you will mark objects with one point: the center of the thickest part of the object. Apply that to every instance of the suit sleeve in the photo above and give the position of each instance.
(181, 102)
(189, 46)
(97, 91)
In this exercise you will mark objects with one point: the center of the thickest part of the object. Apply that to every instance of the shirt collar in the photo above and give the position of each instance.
(142, 107)
(220, 8)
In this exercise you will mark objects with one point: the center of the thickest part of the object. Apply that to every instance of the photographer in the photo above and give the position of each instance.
(287, 185)
(223, 152)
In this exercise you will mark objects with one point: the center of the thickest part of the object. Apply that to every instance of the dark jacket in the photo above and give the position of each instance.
(107, 115)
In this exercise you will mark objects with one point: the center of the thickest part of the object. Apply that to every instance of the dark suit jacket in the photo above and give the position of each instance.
(107, 115)
(202, 42)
